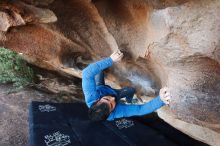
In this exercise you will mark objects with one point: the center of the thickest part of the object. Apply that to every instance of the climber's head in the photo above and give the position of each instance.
(101, 109)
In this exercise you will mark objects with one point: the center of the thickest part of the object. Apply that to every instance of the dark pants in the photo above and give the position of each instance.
(127, 92)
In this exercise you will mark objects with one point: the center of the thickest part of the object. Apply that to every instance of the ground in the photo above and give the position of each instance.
(14, 112)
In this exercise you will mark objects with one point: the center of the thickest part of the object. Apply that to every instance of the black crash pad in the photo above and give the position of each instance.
(67, 124)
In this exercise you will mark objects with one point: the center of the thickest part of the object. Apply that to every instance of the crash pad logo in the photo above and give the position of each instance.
(124, 123)
(46, 108)
(57, 139)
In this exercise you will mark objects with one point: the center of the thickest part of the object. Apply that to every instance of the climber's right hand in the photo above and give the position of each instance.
(165, 95)
(116, 56)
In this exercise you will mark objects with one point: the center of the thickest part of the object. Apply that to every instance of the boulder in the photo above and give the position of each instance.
(18, 13)
(165, 43)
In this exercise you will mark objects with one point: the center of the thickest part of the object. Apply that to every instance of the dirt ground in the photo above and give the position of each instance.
(14, 113)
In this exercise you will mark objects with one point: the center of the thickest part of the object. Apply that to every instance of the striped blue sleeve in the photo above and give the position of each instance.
(88, 79)
(123, 110)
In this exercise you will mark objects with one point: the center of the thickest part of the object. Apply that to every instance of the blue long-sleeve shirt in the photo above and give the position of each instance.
(92, 93)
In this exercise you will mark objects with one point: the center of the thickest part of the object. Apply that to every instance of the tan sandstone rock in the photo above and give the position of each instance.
(166, 43)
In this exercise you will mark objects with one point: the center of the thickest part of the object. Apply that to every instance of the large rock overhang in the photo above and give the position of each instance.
(166, 43)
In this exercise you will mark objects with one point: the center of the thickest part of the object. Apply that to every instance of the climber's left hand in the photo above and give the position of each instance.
(116, 56)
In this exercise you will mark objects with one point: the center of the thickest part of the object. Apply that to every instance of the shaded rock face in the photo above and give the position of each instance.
(166, 43)
(18, 13)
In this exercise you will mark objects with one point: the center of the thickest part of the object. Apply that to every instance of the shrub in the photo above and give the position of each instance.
(13, 69)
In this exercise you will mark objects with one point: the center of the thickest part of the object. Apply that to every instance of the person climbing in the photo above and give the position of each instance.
(103, 100)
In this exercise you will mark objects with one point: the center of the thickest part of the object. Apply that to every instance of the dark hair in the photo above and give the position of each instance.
(99, 111)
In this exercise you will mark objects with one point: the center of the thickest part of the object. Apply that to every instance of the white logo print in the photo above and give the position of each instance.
(46, 108)
(124, 123)
(57, 139)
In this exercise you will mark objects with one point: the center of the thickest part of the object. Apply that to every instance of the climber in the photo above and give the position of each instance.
(103, 101)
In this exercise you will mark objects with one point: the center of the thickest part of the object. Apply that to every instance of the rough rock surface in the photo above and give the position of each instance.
(19, 13)
(166, 43)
